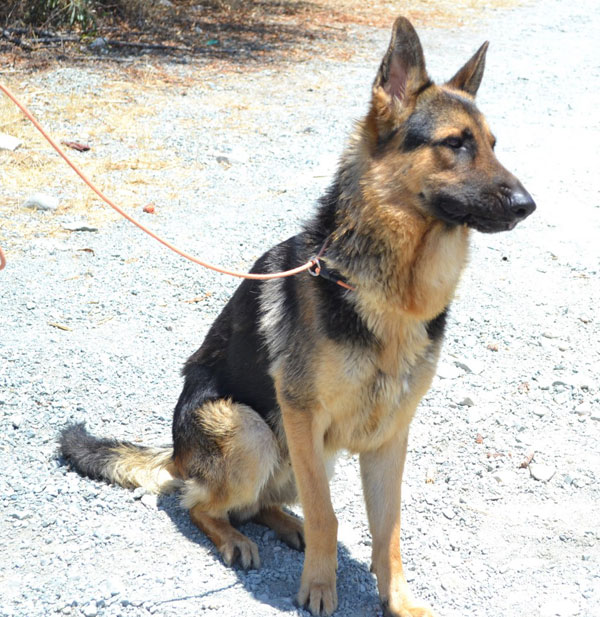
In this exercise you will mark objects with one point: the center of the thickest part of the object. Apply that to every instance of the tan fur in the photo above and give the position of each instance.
(151, 468)
(250, 456)
(305, 433)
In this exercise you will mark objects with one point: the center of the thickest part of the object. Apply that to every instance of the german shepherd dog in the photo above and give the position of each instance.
(295, 369)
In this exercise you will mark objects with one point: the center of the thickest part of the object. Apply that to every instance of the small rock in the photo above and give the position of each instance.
(22, 515)
(224, 161)
(540, 412)
(471, 365)
(583, 410)
(42, 201)
(562, 398)
(98, 44)
(90, 610)
(543, 473)
(504, 476)
(466, 400)
(17, 420)
(8, 142)
(78, 227)
(150, 501)
(448, 371)
(449, 513)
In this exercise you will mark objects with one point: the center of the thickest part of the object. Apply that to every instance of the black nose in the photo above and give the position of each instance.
(521, 203)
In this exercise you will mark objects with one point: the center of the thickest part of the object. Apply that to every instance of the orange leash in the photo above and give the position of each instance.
(260, 277)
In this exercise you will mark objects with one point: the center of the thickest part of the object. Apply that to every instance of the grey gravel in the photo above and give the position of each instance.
(481, 537)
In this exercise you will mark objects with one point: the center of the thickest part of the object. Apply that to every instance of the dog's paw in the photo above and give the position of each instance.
(238, 548)
(406, 611)
(292, 534)
(319, 597)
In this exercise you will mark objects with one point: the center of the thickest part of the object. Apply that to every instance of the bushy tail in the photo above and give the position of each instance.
(118, 462)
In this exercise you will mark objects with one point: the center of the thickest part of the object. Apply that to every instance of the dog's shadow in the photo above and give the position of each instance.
(276, 582)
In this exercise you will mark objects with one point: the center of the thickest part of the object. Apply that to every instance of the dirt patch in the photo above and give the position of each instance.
(255, 33)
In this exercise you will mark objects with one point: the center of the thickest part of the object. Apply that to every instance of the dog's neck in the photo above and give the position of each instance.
(405, 262)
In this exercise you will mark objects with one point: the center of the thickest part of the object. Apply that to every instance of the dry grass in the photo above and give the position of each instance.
(35, 166)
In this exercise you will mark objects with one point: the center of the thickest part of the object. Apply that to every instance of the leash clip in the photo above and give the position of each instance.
(317, 267)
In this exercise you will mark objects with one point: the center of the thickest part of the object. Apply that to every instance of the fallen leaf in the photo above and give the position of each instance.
(76, 146)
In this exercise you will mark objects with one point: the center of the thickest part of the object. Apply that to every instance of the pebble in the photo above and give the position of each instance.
(8, 142)
(16, 420)
(42, 201)
(98, 44)
(90, 610)
(78, 227)
(466, 400)
(504, 476)
(471, 365)
(541, 472)
(449, 513)
(150, 501)
(448, 371)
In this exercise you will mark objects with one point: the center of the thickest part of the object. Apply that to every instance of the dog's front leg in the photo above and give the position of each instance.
(381, 472)
(305, 438)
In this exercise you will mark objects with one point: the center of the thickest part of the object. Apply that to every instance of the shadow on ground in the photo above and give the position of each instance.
(276, 583)
(260, 31)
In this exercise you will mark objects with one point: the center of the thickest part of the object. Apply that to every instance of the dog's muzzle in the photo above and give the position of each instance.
(489, 211)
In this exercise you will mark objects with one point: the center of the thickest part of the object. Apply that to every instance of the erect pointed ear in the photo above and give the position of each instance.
(402, 72)
(469, 77)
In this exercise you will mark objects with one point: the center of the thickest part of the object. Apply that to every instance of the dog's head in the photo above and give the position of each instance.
(432, 148)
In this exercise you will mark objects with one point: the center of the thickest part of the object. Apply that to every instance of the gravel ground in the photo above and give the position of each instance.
(519, 372)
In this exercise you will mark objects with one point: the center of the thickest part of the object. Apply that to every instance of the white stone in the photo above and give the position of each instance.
(543, 473)
(150, 501)
(8, 142)
(42, 201)
(78, 227)
(448, 371)
(471, 365)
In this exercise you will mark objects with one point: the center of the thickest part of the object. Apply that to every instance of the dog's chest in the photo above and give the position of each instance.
(368, 396)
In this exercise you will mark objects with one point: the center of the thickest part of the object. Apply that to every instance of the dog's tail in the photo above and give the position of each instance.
(119, 462)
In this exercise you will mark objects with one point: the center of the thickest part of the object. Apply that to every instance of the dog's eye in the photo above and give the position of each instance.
(456, 143)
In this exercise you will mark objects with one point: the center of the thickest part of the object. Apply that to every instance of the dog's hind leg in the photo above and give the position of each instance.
(288, 528)
(226, 455)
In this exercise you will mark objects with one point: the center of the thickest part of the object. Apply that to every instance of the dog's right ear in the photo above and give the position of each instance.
(402, 73)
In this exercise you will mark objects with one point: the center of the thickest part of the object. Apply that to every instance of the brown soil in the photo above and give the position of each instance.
(257, 32)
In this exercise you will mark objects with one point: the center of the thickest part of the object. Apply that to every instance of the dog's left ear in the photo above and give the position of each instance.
(468, 79)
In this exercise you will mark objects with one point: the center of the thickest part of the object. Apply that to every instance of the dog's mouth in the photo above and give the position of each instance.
(496, 214)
